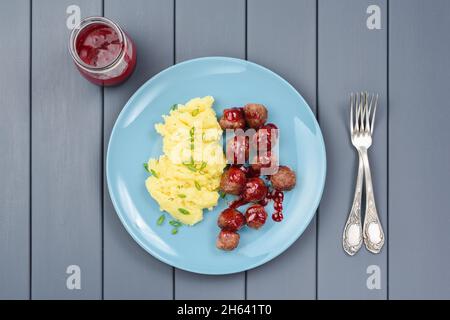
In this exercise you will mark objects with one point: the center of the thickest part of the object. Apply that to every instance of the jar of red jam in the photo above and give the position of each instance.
(102, 51)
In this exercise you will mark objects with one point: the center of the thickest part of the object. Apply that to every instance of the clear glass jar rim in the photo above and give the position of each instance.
(85, 23)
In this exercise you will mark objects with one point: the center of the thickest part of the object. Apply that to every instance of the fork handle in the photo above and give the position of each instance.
(372, 230)
(352, 237)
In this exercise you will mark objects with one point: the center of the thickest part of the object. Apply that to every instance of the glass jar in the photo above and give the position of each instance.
(102, 51)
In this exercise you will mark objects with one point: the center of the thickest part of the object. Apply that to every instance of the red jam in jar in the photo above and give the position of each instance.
(103, 53)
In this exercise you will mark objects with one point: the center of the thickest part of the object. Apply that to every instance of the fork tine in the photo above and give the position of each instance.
(358, 111)
(371, 96)
(373, 115)
(351, 112)
(363, 111)
(367, 118)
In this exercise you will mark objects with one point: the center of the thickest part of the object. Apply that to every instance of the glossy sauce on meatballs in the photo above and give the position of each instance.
(263, 160)
(256, 216)
(233, 181)
(232, 118)
(243, 177)
(238, 150)
(254, 190)
(231, 219)
(265, 138)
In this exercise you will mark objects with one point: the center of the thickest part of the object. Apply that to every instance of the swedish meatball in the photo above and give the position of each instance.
(238, 149)
(233, 181)
(256, 216)
(263, 160)
(231, 219)
(265, 138)
(227, 240)
(255, 115)
(232, 118)
(284, 179)
(254, 190)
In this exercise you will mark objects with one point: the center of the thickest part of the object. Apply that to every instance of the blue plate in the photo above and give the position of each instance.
(232, 82)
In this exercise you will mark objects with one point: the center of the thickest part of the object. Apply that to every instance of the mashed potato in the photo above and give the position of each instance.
(185, 180)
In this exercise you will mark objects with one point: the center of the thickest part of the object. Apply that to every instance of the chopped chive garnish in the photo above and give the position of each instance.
(197, 185)
(174, 231)
(174, 107)
(175, 224)
(195, 112)
(183, 211)
(161, 220)
(154, 173)
(191, 133)
(190, 167)
(203, 166)
(222, 194)
(146, 167)
(182, 196)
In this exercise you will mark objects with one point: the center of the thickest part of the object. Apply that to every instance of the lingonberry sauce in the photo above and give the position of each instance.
(239, 202)
(274, 195)
(277, 197)
(233, 114)
(102, 52)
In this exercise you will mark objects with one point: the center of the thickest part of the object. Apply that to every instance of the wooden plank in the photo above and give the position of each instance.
(208, 28)
(15, 146)
(66, 166)
(419, 157)
(352, 57)
(129, 271)
(282, 37)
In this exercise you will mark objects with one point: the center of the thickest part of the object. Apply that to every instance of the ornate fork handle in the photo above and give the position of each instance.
(352, 236)
(372, 230)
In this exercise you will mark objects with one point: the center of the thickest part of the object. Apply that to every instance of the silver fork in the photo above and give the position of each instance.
(372, 230)
(361, 129)
(352, 236)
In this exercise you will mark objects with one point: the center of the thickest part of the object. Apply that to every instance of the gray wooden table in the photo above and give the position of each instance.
(57, 224)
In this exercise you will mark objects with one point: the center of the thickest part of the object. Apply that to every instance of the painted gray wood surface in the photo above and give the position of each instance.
(351, 58)
(15, 150)
(129, 271)
(209, 28)
(419, 153)
(288, 47)
(66, 160)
